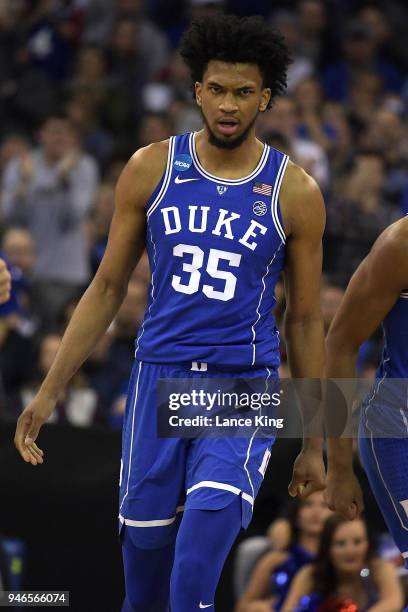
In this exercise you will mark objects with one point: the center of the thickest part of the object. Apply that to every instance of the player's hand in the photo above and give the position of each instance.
(343, 493)
(28, 427)
(5, 282)
(308, 474)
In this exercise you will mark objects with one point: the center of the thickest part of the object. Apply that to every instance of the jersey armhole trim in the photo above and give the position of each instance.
(166, 181)
(275, 198)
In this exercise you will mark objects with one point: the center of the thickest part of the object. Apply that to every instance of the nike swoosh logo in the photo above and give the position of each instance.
(202, 606)
(179, 180)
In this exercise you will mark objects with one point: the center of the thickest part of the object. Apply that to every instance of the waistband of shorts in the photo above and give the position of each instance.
(210, 368)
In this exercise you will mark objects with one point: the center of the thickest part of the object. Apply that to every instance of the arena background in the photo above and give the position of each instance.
(111, 67)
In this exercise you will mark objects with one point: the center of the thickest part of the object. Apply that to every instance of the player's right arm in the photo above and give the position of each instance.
(372, 292)
(101, 301)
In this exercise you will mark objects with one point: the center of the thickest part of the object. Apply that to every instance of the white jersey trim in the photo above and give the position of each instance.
(131, 438)
(154, 523)
(141, 331)
(224, 181)
(259, 304)
(166, 182)
(404, 295)
(252, 439)
(275, 198)
(224, 487)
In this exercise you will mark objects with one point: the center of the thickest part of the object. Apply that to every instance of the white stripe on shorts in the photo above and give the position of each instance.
(223, 486)
(156, 523)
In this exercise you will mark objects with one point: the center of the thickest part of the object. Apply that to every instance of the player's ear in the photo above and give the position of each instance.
(265, 97)
(198, 87)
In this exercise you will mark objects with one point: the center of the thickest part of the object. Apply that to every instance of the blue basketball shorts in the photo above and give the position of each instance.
(160, 477)
(385, 461)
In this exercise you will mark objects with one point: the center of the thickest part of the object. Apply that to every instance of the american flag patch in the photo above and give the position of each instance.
(262, 188)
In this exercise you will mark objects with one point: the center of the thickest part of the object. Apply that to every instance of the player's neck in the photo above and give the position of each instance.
(228, 163)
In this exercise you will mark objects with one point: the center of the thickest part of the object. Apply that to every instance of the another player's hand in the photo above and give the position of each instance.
(5, 282)
(308, 474)
(343, 493)
(28, 427)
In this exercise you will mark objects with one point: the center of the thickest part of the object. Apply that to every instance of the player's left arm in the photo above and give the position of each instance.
(304, 218)
(372, 292)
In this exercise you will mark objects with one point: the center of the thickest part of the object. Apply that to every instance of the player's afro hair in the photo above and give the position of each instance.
(228, 38)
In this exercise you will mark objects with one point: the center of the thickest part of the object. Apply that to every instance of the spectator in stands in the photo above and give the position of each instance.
(387, 134)
(388, 31)
(50, 192)
(5, 282)
(153, 128)
(271, 578)
(356, 217)
(284, 118)
(109, 377)
(16, 344)
(317, 29)
(360, 56)
(331, 296)
(309, 99)
(82, 109)
(13, 145)
(19, 248)
(101, 15)
(345, 571)
(99, 223)
(77, 405)
(302, 67)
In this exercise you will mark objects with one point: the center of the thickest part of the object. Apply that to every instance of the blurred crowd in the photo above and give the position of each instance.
(311, 560)
(85, 83)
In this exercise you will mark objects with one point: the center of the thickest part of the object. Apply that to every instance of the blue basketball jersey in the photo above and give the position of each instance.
(216, 249)
(394, 362)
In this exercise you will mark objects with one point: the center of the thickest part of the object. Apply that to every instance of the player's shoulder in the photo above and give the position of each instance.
(393, 242)
(300, 199)
(297, 181)
(153, 156)
(144, 169)
(387, 261)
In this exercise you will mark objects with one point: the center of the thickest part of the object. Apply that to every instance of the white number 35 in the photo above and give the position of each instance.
(196, 264)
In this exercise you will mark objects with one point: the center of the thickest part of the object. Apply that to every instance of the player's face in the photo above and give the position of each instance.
(349, 547)
(230, 97)
(313, 514)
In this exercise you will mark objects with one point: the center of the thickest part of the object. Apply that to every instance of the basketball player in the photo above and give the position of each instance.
(377, 292)
(221, 215)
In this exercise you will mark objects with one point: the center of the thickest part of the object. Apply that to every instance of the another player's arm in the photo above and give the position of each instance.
(373, 290)
(102, 299)
(259, 585)
(304, 215)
